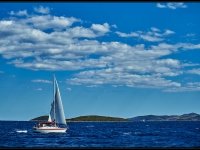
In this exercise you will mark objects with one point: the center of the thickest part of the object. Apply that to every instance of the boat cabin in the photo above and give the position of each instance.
(46, 124)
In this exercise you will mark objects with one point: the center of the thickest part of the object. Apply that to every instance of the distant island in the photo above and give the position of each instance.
(184, 117)
(84, 118)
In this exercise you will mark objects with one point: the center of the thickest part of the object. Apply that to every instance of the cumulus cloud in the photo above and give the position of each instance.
(48, 42)
(118, 77)
(173, 5)
(154, 35)
(136, 67)
(101, 28)
(41, 81)
(49, 22)
(42, 10)
(81, 32)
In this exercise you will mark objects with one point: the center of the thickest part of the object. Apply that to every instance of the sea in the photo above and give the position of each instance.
(158, 134)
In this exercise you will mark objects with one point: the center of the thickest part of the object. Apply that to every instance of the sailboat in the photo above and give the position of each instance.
(56, 122)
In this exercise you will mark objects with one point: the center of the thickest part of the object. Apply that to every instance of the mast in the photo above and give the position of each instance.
(54, 98)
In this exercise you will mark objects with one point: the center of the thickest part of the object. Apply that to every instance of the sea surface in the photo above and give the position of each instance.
(103, 135)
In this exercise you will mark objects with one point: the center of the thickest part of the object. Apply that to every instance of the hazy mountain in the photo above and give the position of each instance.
(184, 117)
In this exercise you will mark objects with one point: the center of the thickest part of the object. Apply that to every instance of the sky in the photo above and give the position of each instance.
(110, 59)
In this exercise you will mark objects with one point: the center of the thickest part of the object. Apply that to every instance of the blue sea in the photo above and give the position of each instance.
(181, 134)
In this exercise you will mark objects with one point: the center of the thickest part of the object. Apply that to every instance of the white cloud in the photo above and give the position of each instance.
(119, 77)
(194, 71)
(168, 32)
(114, 26)
(42, 10)
(92, 86)
(188, 87)
(101, 28)
(81, 32)
(176, 5)
(69, 89)
(190, 35)
(49, 22)
(154, 35)
(155, 29)
(41, 81)
(151, 38)
(132, 34)
(188, 46)
(19, 13)
(39, 89)
(192, 84)
(159, 5)
(26, 43)
(173, 5)
(136, 67)
(6, 23)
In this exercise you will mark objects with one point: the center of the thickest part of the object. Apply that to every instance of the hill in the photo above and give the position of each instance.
(84, 118)
(41, 118)
(96, 118)
(184, 117)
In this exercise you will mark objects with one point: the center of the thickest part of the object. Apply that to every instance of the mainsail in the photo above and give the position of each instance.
(57, 111)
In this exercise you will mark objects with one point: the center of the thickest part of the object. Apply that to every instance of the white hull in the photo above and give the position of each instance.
(50, 130)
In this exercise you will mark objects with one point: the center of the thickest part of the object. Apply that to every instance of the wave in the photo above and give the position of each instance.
(21, 131)
(127, 133)
(90, 126)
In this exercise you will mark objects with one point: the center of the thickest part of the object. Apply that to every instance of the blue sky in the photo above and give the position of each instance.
(113, 59)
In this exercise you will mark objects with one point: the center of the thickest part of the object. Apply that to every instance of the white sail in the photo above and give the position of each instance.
(57, 111)
(52, 111)
(49, 119)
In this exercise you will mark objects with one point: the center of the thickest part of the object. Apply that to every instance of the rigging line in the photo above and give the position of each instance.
(54, 98)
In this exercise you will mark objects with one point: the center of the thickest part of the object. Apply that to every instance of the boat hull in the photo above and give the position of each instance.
(50, 130)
